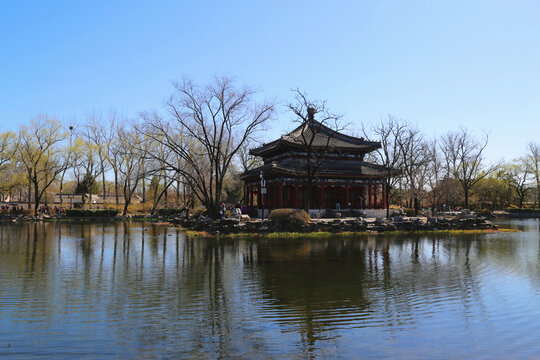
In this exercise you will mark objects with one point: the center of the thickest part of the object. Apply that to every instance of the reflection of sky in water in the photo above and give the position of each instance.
(142, 290)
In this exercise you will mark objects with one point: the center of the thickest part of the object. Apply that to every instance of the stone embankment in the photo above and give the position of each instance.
(235, 226)
(19, 218)
(255, 226)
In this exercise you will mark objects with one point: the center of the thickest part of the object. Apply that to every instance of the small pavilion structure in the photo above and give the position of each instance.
(340, 177)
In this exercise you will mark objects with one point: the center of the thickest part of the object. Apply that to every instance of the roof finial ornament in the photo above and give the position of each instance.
(311, 113)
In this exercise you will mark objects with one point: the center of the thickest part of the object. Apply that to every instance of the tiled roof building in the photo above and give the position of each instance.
(342, 178)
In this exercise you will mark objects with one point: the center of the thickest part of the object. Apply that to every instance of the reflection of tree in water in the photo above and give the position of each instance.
(316, 283)
(322, 286)
(171, 285)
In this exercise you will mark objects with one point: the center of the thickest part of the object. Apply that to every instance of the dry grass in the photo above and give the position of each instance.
(330, 235)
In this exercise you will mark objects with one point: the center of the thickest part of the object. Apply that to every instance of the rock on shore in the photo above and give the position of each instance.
(235, 226)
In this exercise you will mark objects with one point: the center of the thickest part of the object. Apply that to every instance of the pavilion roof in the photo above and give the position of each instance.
(319, 136)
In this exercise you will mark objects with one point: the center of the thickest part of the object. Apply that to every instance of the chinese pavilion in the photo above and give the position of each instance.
(342, 179)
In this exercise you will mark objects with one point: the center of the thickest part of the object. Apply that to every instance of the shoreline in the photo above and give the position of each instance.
(323, 229)
(329, 235)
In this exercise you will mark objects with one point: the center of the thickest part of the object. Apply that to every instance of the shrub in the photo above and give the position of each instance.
(288, 219)
(87, 213)
(484, 212)
(409, 212)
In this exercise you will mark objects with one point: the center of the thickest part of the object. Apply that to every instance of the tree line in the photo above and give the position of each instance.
(451, 171)
(194, 149)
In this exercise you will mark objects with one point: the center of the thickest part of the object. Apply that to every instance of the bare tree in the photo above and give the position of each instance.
(86, 167)
(435, 173)
(217, 120)
(113, 151)
(96, 132)
(247, 161)
(156, 166)
(415, 158)
(388, 132)
(69, 156)
(315, 137)
(131, 149)
(8, 149)
(463, 156)
(39, 152)
(517, 174)
(534, 161)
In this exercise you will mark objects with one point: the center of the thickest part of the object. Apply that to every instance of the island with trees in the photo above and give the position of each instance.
(205, 156)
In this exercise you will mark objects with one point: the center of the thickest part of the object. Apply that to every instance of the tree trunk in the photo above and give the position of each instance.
(127, 199)
(143, 191)
(61, 187)
(166, 195)
(308, 197)
(466, 193)
(36, 198)
(116, 187)
(178, 192)
(387, 188)
(104, 190)
(29, 193)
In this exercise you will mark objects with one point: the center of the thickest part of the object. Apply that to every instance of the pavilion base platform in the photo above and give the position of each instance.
(322, 213)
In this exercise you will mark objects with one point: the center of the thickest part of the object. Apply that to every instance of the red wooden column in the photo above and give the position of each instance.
(384, 196)
(370, 198)
(321, 201)
(259, 197)
(276, 195)
(346, 196)
(376, 188)
(270, 195)
(296, 196)
(280, 200)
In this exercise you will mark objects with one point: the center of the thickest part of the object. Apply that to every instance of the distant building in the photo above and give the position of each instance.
(77, 201)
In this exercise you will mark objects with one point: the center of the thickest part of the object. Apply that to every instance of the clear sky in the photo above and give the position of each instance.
(440, 64)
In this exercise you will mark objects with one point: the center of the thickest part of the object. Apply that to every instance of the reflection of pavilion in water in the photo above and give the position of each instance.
(319, 287)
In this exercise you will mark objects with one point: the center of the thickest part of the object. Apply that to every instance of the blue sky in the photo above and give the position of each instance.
(441, 64)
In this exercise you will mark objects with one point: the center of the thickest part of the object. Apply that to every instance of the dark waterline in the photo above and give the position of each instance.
(145, 291)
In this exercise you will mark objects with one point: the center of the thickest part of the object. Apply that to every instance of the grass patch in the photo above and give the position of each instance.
(331, 235)
(197, 234)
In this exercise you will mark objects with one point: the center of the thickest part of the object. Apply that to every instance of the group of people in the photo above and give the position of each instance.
(236, 210)
(11, 209)
(44, 209)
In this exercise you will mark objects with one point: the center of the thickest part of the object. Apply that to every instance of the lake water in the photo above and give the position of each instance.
(145, 291)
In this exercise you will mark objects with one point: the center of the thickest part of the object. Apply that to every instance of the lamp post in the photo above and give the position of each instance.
(263, 192)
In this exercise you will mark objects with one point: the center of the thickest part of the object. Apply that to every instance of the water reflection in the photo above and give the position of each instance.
(144, 290)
